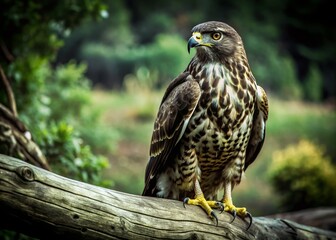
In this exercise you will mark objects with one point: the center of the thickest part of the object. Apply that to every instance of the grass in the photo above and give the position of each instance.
(131, 115)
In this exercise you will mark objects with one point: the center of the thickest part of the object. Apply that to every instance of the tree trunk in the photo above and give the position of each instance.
(42, 204)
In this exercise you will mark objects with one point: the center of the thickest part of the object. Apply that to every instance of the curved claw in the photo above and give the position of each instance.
(250, 218)
(185, 201)
(215, 217)
(234, 214)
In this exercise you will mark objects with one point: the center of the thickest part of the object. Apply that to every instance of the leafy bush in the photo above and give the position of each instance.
(68, 155)
(52, 104)
(303, 176)
(68, 91)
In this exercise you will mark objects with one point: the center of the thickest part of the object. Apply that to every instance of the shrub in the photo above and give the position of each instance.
(52, 104)
(303, 176)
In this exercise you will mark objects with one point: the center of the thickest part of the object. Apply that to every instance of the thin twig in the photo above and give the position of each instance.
(9, 92)
(6, 52)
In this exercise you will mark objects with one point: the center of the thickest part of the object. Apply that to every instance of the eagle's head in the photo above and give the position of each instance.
(214, 41)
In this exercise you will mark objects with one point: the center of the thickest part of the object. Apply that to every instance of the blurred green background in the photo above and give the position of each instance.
(88, 77)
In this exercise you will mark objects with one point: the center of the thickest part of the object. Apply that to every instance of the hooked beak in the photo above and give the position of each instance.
(192, 43)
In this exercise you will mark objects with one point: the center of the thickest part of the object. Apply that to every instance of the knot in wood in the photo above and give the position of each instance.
(26, 173)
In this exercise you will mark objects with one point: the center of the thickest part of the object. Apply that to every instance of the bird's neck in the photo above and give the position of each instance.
(235, 65)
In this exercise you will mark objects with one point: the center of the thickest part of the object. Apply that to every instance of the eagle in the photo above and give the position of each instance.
(210, 125)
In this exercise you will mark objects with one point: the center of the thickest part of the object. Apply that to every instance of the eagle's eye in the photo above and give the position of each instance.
(216, 36)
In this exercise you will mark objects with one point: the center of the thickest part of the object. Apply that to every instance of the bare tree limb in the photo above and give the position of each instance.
(45, 205)
(6, 52)
(9, 92)
(15, 140)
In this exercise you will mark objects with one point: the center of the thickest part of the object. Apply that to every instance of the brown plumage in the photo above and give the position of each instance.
(210, 125)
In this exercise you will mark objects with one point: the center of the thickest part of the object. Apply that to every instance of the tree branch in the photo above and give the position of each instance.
(6, 52)
(32, 199)
(15, 140)
(9, 92)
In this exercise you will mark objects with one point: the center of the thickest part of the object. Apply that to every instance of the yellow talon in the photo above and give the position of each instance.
(241, 212)
(203, 203)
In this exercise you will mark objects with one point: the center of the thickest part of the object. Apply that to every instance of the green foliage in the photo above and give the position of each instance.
(51, 102)
(55, 110)
(67, 84)
(165, 59)
(113, 30)
(68, 155)
(289, 121)
(313, 85)
(273, 70)
(142, 80)
(303, 176)
(281, 47)
(168, 55)
(295, 32)
(153, 25)
(35, 25)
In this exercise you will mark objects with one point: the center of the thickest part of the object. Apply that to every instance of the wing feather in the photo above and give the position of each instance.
(258, 128)
(177, 106)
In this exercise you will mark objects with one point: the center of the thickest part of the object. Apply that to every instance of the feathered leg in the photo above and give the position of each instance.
(229, 207)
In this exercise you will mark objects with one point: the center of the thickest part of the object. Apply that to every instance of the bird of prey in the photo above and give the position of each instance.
(210, 125)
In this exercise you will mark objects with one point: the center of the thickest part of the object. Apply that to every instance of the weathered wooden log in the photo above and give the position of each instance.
(42, 204)
(321, 217)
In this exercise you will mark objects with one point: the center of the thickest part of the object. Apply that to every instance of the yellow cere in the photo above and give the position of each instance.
(197, 36)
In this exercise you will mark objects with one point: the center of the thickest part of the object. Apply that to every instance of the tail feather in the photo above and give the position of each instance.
(150, 188)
